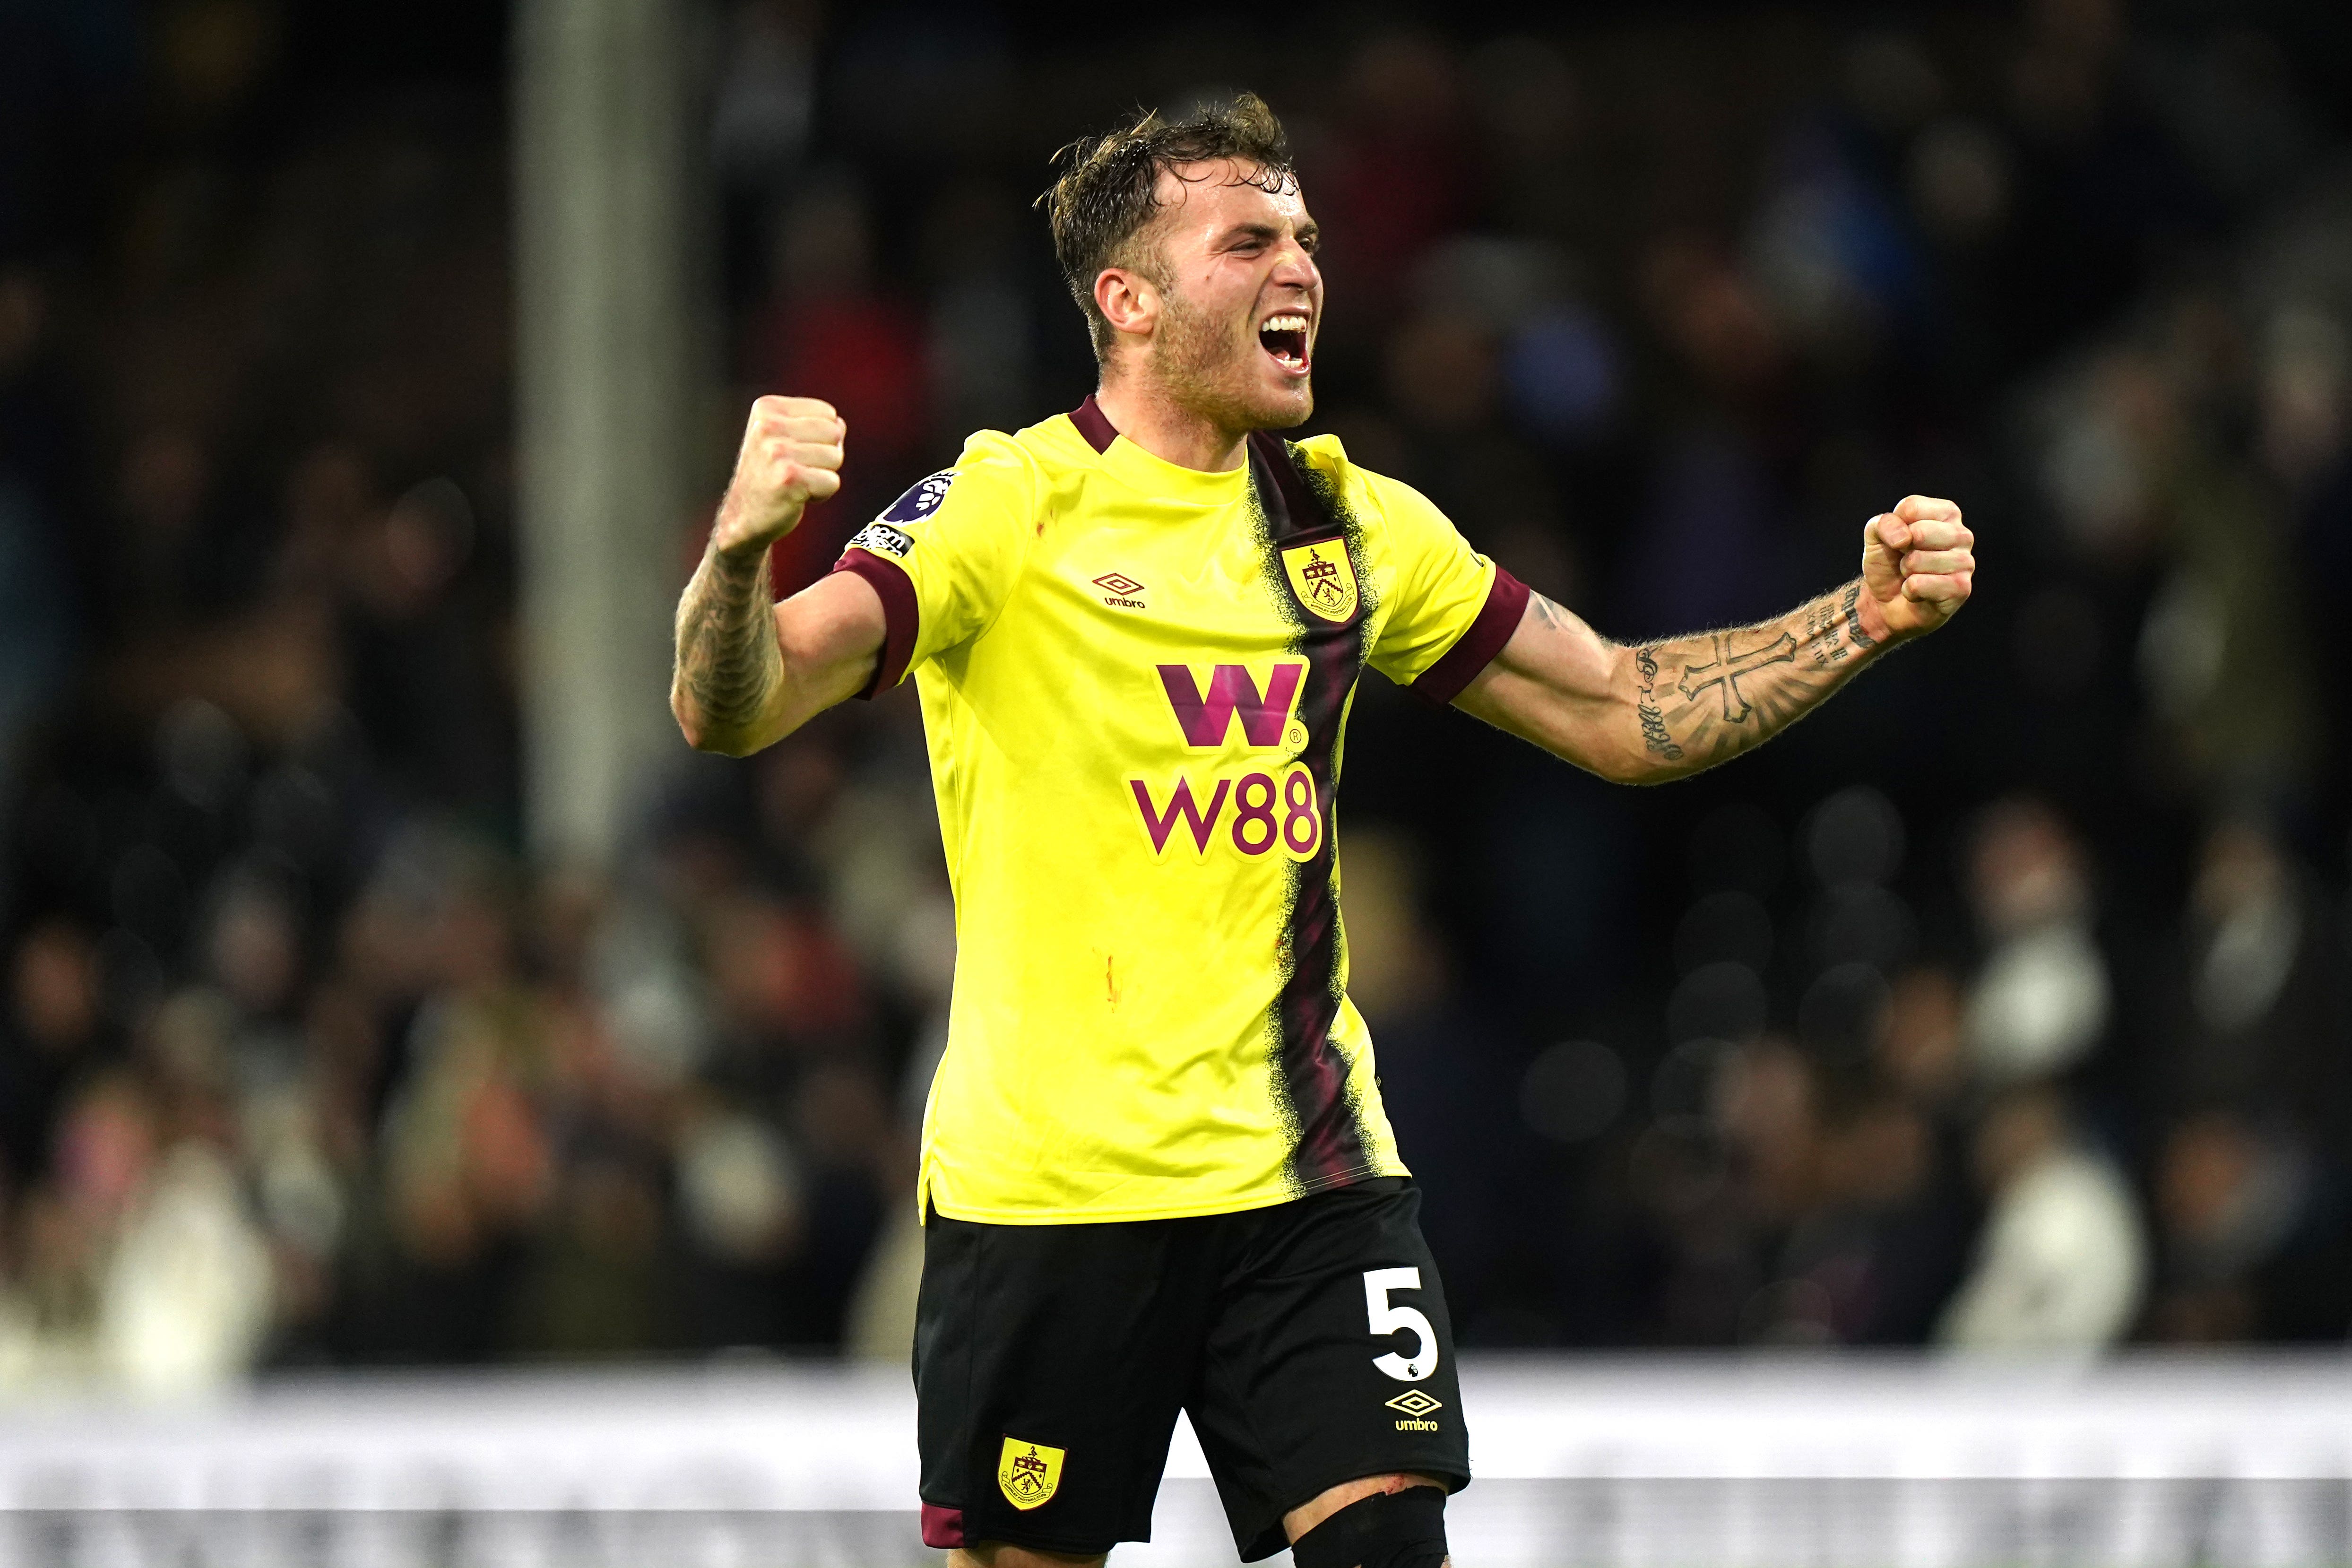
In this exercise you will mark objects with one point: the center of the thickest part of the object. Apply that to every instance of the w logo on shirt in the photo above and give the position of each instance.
(1206, 717)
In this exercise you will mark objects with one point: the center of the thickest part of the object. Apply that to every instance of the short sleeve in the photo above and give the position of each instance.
(1450, 609)
(945, 555)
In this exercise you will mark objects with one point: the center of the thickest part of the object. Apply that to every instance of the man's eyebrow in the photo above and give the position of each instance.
(1308, 232)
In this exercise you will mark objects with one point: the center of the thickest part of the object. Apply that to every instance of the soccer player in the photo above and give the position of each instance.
(1155, 1172)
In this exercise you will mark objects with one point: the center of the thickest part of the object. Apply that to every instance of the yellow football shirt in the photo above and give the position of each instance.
(1134, 679)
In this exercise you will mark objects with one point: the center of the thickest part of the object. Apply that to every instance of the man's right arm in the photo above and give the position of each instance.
(749, 671)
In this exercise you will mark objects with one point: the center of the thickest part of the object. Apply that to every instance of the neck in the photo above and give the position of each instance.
(1148, 416)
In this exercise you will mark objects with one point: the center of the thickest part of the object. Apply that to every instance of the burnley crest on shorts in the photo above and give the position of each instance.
(1323, 578)
(1028, 1473)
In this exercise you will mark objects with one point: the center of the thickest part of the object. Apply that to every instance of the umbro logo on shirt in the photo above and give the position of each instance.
(1121, 590)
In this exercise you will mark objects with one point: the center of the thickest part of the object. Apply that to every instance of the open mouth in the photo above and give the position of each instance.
(1284, 337)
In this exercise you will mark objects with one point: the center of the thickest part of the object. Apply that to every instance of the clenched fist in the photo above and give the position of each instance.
(791, 457)
(1919, 566)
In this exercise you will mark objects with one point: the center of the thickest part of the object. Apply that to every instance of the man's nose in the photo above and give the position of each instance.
(1296, 266)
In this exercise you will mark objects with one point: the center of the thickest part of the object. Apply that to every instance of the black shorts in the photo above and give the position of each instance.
(1309, 1342)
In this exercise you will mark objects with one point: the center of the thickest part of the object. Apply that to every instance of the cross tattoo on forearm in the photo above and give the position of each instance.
(1730, 667)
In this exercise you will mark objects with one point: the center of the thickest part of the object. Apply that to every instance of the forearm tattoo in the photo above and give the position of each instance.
(1704, 699)
(1862, 639)
(727, 660)
(1654, 734)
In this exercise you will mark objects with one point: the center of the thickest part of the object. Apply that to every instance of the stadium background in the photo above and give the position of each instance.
(322, 1049)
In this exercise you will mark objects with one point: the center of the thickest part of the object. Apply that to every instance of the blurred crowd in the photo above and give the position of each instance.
(2002, 1004)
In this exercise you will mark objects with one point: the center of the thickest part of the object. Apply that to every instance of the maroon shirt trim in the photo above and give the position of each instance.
(899, 616)
(942, 1527)
(1442, 682)
(1094, 425)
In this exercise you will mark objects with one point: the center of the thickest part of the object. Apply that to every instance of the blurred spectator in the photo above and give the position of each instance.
(2041, 999)
(56, 1036)
(2062, 1263)
(185, 1300)
(2252, 1240)
(141, 1266)
(765, 99)
(1922, 1052)
(983, 323)
(2263, 968)
(834, 332)
(1444, 1074)
(1393, 177)
(301, 1063)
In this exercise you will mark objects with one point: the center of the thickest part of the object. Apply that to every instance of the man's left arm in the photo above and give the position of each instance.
(1660, 710)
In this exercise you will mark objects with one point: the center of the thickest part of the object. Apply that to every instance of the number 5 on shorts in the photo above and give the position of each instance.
(1387, 1320)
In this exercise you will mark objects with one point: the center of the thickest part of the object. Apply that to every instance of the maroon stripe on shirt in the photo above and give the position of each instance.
(1331, 1148)
(899, 615)
(1474, 649)
(1094, 425)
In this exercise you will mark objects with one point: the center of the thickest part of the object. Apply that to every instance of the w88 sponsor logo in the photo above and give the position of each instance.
(1269, 811)
(1277, 806)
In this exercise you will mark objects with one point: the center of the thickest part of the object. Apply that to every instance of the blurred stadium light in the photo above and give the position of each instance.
(602, 229)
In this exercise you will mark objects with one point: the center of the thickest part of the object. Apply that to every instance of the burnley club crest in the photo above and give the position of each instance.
(1028, 1473)
(1323, 578)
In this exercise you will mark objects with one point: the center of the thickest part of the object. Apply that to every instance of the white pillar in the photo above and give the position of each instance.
(604, 347)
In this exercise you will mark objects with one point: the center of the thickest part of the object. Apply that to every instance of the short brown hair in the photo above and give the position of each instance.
(1108, 188)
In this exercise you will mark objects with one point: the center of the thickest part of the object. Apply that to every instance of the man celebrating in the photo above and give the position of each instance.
(1156, 1175)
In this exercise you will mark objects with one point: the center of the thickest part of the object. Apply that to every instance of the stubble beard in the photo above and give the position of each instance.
(1204, 373)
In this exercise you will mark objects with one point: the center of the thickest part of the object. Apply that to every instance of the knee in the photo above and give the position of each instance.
(995, 1554)
(1394, 1521)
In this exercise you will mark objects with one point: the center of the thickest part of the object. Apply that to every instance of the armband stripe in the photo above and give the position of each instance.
(1475, 649)
(901, 616)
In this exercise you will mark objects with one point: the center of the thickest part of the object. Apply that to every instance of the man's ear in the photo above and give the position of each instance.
(1128, 300)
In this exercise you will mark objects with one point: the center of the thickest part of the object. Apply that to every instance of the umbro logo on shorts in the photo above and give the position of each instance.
(1415, 1406)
